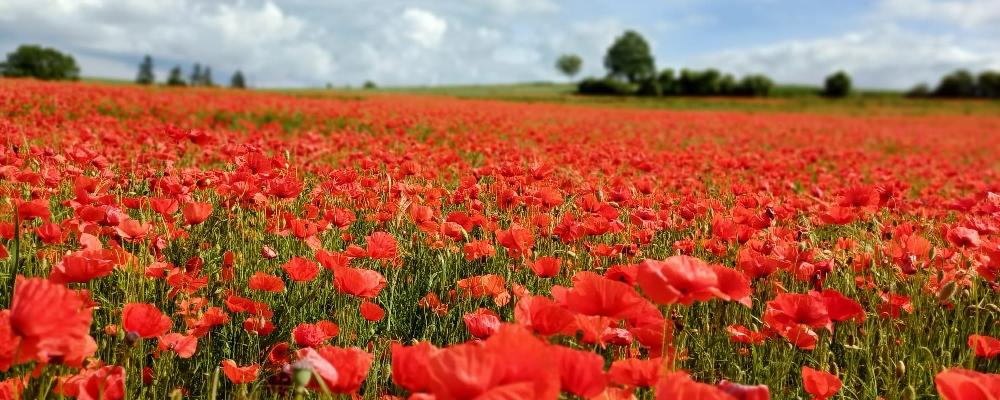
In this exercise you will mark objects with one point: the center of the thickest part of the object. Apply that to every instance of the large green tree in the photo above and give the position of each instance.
(837, 85)
(569, 64)
(176, 77)
(629, 57)
(145, 75)
(40, 62)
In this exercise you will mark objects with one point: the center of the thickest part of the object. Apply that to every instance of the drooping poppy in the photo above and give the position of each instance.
(351, 364)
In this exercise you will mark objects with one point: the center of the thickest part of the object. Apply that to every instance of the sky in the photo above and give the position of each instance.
(301, 43)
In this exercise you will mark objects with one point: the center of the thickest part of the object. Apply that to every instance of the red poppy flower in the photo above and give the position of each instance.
(144, 320)
(820, 384)
(239, 375)
(544, 316)
(679, 385)
(104, 383)
(196, 213)
(300, 269)
(83, 266)
(545, 267)
(984, 346)
(351, 365)
(51, 322)
(478, 249)
(636, 372)
(409, 365)
(963, 384)
(795, 315)
(745, 392)
(678, 279)
(29, 210)
(593, 294)
(482, 323)
(266, 282)
(734, 285)
(183, 345)
(371, 311)
(580, 372)
(363, 283)
(840, 307)
(518, 241)
(309, 335)
(381, 246)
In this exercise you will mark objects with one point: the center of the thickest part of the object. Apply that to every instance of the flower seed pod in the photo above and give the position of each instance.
(908, 394)
(900, 369)
(946, 292)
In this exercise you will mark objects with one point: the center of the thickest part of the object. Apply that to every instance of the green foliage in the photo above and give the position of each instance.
(699, 83)
(668, 83)
(195, 79)
(176, 77)
(369, 85)
(919, 91)
(988, 84)
(837, 85)
(650, 87)
(960, 83)
(146, 75)
(604, 86)
(39, 62)
(754, 86)
(237, 81)
(629, 58)
(569, 64)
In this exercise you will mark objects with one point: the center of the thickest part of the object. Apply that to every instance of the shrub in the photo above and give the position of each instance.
(837, 85)
(604, 86)
(40, 62)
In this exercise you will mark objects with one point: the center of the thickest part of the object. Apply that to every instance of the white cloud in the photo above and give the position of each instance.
(511, 7)
(423, 27)
(964, 13)
(887, 57)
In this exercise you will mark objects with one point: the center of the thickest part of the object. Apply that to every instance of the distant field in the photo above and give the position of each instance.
(784, 98)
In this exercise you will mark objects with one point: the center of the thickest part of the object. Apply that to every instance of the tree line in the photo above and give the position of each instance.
(200, 76)
(962, 84)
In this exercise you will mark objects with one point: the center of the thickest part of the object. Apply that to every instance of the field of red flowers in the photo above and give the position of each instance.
(215, 244)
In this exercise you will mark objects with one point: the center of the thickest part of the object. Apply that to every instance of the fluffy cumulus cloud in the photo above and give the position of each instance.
(884, 57)
(890, 43)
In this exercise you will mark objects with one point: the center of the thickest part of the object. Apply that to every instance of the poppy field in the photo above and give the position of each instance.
(214, 244)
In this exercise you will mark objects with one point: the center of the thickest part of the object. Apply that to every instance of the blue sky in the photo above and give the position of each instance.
(882, 43)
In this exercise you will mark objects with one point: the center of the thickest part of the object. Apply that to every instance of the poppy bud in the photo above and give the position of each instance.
(900, 369)
(947, 291)
(993, 307)
(132, 338)
(834, 368)
(908, 394)
(301, 374)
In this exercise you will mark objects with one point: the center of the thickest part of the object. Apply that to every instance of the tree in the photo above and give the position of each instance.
(956, 84)
(195, 75)
(176, 77)
(39, 62)
(369, 84)
(668, 84)
(919, 91)
(569, 64)
(206, 77)
(988, 84)
(237, 81)
(755, 86)
(629, 58)
(837, 85)
(146, 76)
